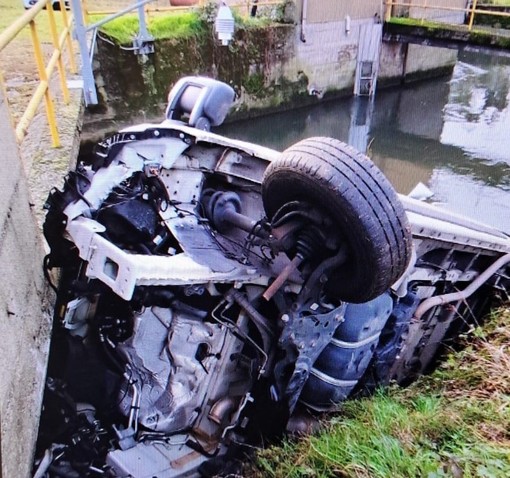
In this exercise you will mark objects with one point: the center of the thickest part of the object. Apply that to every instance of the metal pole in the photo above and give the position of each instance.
(69, 40)
(424, 12)
(116, 15)
(60, 63)
(387, 12)
(89, 86)
(141, 20)
(50, 109)
(472, 16)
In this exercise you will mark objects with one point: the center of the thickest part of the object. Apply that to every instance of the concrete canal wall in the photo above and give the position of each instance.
(24, 312)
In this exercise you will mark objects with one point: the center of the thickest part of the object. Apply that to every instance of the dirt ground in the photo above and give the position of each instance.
(44, 165)
(17, 62)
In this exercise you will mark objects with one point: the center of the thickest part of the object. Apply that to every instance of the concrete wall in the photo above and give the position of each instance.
(326, 53)
(24, 312)
(321, 11)
(402, 61)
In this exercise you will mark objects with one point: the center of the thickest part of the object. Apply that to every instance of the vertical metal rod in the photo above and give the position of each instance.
(424, 12)
(69, 40)
(472, 16)
(89, 86)
(50, 110)
(85, 10)
(60, 63)
(143, 32)
(3, 91)
(388, 11)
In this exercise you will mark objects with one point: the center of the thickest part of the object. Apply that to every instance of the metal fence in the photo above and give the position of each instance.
(421, 10)
(61, 41)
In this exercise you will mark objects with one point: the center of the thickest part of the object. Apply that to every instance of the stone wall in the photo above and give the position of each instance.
(323, 11)
(24, 312)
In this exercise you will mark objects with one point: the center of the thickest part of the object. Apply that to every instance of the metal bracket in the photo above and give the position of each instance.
(143, 45)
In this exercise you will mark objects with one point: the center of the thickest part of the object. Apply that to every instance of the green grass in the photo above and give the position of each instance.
(453, 423)
(11, 10)
(173, 25)
(503, 3)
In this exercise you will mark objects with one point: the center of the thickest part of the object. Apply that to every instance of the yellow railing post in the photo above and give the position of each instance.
(4, 91)
(69, 40)
(50, 110)
(85, 11)
(60, 63)
(472, 16)
(388, 11)
(424, 12)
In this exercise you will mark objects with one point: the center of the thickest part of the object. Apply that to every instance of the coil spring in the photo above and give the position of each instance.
(307, 243)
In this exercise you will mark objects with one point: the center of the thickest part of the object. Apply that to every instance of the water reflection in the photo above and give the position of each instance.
(451, 134)
(477, 117)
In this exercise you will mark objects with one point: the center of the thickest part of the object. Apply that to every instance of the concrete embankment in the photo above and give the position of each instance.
(26, 301)
(25, 320)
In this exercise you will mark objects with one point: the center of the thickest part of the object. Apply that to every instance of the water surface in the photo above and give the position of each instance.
(451, 134)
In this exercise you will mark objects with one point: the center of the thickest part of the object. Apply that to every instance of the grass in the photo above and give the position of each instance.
(172, 25)
(453, 423)
(11, 10)
(503, 3)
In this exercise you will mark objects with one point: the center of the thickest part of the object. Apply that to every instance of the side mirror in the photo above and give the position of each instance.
(204, 101)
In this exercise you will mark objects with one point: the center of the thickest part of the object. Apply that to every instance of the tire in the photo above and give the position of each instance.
(335, 177)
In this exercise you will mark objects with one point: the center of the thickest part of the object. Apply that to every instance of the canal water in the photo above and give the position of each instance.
(451, 134)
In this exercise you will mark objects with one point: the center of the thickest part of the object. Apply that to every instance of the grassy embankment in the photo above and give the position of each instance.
(503, 3)
(167, 25)
(453, 423)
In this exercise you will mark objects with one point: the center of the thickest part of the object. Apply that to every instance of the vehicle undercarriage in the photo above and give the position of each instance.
(214, 292)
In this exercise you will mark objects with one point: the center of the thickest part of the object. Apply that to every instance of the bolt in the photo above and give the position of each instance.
(285, 318)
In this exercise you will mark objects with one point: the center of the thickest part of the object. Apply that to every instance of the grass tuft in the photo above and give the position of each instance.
(453, 423)
(173, 25)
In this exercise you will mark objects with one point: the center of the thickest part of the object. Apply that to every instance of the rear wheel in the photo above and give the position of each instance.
(370, 218)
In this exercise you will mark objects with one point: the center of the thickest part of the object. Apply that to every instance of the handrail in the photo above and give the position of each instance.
(142, 43)
(45, 72)
(235, 5)
(470, 10)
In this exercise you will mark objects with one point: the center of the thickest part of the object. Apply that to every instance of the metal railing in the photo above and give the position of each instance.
(45, 72)
(243, 6)
(472, 8)
(142, 42)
